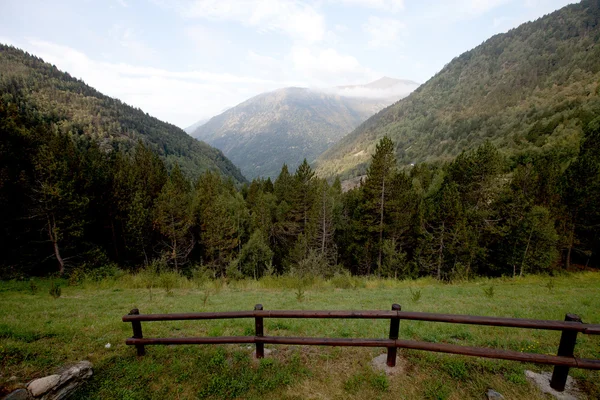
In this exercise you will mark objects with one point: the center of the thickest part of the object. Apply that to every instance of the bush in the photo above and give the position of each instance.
(314, 264)
(344, 280)
(201, 275)
(55, 290)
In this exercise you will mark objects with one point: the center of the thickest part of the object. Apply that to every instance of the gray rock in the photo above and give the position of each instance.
(542, 381)
(70, 380)
(57, 387)
(40, 386)
(19, 394)
(379, 363)
(493, 395)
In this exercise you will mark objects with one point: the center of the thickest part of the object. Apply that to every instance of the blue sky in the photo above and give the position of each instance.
(184, 60)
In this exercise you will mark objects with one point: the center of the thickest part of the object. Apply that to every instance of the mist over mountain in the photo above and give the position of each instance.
(291, 124)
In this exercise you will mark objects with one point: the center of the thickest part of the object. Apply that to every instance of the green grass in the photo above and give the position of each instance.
(39, 334)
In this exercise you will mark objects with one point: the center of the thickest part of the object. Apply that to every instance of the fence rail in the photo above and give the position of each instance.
(562, 361)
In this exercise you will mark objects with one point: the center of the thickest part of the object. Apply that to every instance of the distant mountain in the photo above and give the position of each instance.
(531, 89)
(76, 108)
(190, 129)
(290, 124)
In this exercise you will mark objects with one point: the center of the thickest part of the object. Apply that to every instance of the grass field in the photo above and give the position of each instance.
(39, 334)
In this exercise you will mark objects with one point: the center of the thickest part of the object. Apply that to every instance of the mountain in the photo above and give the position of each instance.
(290, 124)
(190, 129)
(77, 108)
(530, 89)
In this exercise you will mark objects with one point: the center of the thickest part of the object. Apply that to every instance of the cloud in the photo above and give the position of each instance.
(384, 5)
(298, 20)
(326, 66)
(397, 91)
(128, 39)
(383, 32)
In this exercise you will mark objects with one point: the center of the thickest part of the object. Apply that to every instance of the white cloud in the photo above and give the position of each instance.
(325, 67)
(396, 91)
(385, 5)
(128, 38)
(293, 18)
(383, 32)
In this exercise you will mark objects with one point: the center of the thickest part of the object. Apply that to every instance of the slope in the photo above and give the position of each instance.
(530, 89)
(290, 124)
(77, 108)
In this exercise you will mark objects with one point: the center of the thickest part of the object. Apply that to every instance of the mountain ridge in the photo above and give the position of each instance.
(78, 108)
(533, 87)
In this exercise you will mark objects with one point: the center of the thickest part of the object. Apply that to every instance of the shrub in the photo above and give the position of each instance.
(55, 290)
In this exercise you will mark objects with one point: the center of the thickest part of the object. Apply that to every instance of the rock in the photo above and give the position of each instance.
(57, 387)
(70, 380)
(12, 378)
(379, 363)
(267, 352)
(19, 394)
(40, 386)
(493, 395)
(542, 381)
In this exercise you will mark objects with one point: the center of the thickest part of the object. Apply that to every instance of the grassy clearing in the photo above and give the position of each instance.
(39, 334)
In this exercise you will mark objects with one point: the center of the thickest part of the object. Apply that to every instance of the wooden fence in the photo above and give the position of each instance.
(570, 327)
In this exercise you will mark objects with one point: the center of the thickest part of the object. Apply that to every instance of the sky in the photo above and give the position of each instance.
(186, 60)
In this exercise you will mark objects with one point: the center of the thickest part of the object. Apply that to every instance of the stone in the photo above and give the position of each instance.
(57, 387)
(12, 378)
(493, 395)
(40, 386)
(267, 352)
(379, 363)
(19, 394)
(542, 381)
(70, 380)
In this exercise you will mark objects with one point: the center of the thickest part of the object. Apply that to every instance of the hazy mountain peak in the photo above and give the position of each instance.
(289, 124)
(382, 88)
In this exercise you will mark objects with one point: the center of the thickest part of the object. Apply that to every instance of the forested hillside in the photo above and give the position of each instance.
(70, 106)
(533, 88)
(291, 124)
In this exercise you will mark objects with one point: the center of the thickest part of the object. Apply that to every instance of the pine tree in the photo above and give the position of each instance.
(377, 189)
(174, 219)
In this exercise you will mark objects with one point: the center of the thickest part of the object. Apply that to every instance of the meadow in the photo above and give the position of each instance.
(40, 333)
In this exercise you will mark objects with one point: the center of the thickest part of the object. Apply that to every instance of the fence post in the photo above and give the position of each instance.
(137, 332)
(565, 348)
(258, 325)
(394, 330)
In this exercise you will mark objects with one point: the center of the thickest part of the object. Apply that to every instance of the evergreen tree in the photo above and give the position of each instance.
(377, 188)
(174, 219)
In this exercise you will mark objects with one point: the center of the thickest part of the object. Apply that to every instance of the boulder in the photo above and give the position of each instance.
(40, 386)
(57, 387)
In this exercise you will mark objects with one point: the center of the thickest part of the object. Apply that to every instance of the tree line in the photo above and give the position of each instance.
(67, 204)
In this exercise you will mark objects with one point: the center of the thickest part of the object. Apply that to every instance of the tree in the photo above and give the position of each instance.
(255, 256)
(581, 192)
(174, 218)
(377, 188)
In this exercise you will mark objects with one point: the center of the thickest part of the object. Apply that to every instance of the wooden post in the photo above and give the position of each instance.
(565, 348)
(394, 330)
(258, 325)
(137, 332)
